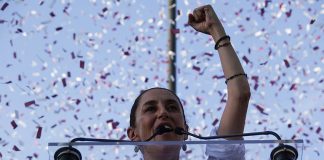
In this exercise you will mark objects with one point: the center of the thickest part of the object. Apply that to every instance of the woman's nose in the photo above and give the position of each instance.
(163, 113)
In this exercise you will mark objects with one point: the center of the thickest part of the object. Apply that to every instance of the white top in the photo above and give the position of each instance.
(224, 152)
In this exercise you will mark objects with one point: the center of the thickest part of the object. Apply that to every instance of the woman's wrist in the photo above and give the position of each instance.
(217, 33)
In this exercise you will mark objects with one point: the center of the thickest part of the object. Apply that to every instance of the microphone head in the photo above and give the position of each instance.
(179, 131)
(284, 152)
(163, 129)
(67, 153)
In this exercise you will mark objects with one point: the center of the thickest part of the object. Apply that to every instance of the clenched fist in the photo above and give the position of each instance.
(204, 19)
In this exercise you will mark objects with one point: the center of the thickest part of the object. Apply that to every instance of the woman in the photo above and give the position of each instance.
(161, 107)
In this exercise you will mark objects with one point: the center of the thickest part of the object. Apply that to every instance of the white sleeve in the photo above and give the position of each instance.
(224, 152)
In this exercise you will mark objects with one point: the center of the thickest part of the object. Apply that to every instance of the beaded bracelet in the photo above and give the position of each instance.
(236, 75)
(220, 40)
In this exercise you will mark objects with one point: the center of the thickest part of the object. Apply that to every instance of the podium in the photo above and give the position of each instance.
(196, 150)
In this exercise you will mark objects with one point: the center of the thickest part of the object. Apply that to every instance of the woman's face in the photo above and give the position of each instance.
(157, 107)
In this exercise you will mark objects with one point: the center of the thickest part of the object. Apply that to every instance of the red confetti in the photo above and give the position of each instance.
(218, 77)
(52, 14)
(312, 21)
(39, 133)
(64, 82)
(293, 87)
(78, 101)
(13, 124)
(58, 28)
(288, 14)
(114, 124)
(175, 31)
(82, 64)
(104, 9)
(15, 148)
(246, 60)
(126, 53)
(122, 137)
(4, 6)
(196, 68)
(262, 12)
(27, 104)
(215, 122)
(318, 130)
(260, 109)
(286, 63)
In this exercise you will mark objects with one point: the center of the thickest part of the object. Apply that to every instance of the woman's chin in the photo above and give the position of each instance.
(167, 137)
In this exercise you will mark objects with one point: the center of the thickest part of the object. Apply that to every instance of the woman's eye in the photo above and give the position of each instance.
(173, 107)
(150, 109)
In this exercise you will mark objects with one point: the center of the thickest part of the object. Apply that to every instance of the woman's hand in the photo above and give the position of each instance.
(204, 19)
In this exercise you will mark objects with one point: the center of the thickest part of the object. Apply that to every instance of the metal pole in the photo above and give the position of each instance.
(172, 46)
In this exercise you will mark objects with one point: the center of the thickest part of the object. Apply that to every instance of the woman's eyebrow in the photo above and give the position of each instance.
(168, 101)
(151, 102)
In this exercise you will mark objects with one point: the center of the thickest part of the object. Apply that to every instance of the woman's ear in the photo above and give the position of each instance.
(131, 133)
(186, 128)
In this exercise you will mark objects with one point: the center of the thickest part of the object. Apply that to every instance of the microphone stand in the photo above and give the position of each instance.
(70, 153)
(281, 152)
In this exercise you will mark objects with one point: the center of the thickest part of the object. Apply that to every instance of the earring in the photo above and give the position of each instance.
(184, 147)
(136, 149)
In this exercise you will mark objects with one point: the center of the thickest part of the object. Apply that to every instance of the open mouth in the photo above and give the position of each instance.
(163, 128)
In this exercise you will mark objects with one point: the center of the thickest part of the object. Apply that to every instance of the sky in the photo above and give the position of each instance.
(73, 68)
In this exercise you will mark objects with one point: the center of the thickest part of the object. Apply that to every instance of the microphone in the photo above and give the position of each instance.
(70, 153)
(281, 152)
(67, 153)
(159, 131)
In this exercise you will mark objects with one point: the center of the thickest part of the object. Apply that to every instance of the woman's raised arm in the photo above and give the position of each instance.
(205, 20)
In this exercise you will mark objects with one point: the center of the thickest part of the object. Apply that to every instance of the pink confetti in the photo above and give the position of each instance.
(13, 124)
(39, 133)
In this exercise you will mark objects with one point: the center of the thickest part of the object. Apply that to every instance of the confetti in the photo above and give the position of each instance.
(312, 21)
(15, 148)
(13, 124)
(39, 133)
(58, 28)
(52, 14)
(4, 6)
(28, 104)
(82, 64)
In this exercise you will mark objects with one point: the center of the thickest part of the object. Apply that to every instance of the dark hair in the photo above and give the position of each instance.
(137, 100)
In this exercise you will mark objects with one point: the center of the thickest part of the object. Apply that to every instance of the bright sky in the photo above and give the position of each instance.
(73, 68)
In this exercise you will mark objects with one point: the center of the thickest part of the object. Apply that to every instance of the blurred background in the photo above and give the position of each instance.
(73, 68)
